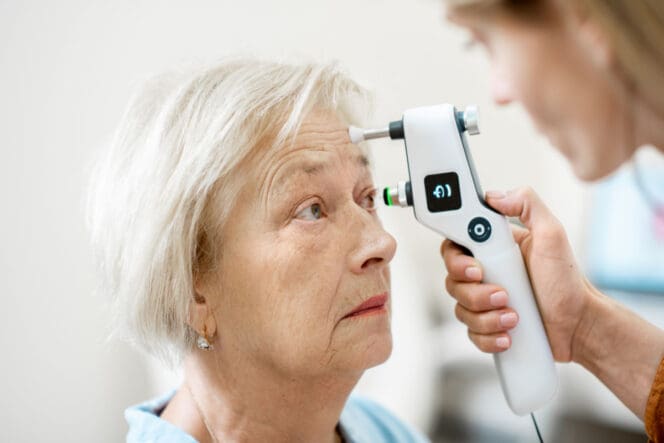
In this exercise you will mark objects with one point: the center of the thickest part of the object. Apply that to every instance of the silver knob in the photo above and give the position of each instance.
(471, 119)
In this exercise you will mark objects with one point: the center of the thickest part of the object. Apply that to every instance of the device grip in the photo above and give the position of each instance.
(526, 370)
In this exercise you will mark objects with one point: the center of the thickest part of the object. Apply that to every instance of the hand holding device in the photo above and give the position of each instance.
(563, 291)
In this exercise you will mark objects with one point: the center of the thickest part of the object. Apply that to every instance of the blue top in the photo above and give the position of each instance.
(362, 421)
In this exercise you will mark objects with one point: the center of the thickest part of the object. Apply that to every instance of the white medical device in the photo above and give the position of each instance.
(445, 194)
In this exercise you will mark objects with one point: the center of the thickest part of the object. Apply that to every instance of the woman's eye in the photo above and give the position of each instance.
(312, 212)
(369, 201)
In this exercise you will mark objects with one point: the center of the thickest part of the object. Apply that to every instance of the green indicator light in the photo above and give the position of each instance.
(387, 197)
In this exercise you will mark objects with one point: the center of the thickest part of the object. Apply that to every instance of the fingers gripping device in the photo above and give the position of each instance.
(446, 196)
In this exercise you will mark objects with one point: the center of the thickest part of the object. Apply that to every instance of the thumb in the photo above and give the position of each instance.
(523, 203)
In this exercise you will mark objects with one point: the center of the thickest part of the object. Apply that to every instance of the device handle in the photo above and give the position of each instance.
(526, 370)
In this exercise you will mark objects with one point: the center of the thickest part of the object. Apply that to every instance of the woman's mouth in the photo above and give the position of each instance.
(374, 305)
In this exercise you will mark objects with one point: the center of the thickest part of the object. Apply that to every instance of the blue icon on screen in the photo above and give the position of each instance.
(442, 191)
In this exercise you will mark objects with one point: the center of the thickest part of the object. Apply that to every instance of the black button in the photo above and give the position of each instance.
(479, 229)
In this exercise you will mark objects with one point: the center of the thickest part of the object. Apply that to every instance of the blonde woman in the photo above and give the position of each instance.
(591, 75)
(237, 237)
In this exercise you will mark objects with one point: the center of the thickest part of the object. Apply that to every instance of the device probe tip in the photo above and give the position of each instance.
(356, 134)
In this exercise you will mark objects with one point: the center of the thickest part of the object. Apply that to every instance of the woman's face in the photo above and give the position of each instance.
(301, 250)
(560, 75)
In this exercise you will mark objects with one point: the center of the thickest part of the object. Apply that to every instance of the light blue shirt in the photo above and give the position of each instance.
(362, 421)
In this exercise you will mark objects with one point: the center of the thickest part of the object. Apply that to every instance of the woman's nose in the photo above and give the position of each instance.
(501, 88)
(375, 248)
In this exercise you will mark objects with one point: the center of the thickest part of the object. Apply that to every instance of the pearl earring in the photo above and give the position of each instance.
(202, 341)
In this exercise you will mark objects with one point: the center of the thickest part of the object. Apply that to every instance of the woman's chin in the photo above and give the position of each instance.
(370, 351)
(379, 352)
(592, 171)
(589, 161)
(361, 343)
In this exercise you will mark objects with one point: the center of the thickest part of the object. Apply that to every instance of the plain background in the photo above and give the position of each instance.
(67, 70)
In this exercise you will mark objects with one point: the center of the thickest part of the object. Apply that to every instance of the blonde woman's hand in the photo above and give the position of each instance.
(561, 289)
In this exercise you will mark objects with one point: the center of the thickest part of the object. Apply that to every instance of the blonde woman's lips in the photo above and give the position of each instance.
(371, 306)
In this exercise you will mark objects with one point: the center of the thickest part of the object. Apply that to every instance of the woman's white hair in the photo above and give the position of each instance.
(165, 187)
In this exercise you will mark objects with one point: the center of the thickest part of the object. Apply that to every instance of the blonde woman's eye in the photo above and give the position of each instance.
(312, 212)
(470, 43)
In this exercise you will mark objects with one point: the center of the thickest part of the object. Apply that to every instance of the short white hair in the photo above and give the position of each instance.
(179, 141)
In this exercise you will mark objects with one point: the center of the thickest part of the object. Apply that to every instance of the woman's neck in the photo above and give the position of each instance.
(243, 402)
(648, 126)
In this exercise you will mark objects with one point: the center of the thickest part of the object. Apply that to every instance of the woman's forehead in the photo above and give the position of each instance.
(320, 146)
(321, 128)
(321, 138)
(315, 160)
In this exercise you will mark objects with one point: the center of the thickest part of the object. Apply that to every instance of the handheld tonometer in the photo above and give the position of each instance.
(445, 194)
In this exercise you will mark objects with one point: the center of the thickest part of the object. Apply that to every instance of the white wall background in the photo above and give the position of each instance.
(66, 71)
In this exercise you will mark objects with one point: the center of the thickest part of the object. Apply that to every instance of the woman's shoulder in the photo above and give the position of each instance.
(364, 420)
(145, 425)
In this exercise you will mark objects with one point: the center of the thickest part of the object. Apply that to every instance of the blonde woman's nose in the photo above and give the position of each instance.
(501, 88)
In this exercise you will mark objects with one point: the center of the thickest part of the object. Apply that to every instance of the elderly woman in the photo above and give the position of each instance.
(237, 236)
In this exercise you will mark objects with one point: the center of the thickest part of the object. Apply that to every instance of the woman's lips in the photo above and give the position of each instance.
(374, 305)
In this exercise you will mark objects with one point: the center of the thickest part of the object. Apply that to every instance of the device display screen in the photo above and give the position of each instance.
(443, 193)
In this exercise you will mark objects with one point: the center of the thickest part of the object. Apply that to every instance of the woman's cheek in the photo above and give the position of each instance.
(308, 237)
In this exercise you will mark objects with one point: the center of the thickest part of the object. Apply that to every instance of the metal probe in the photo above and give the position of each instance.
(358, 135)
(393, 131)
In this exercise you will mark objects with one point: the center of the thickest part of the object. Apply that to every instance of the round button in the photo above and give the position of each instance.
(479, 229)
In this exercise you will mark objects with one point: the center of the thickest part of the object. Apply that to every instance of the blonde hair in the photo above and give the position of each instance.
(635, 29)
(165, 186)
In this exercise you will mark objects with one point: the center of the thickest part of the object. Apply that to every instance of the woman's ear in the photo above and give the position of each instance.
(597, 43)
(201, 316)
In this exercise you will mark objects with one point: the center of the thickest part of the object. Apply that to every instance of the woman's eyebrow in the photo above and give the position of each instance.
(308, 167)
(363, 160)
(311, 167)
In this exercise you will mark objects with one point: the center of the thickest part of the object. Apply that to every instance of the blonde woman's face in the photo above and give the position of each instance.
(556, 72)
(302, 249)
